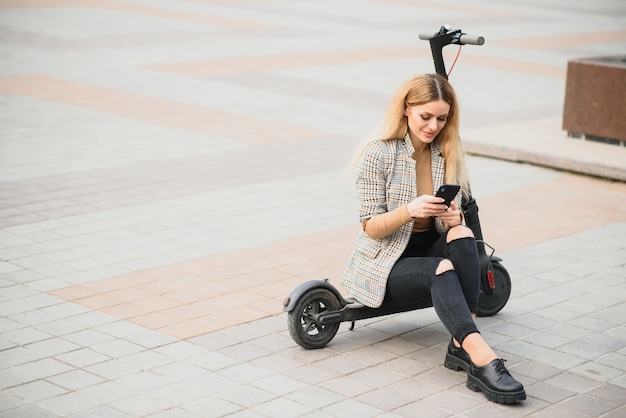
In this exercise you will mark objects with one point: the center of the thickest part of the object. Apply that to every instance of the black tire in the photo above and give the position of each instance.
(303, 329)
(489, 305)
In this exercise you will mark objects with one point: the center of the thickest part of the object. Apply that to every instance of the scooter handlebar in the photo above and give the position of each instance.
(472, 40)
(464, 39)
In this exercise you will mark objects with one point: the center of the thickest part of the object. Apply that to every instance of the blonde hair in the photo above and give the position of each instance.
(417, 91)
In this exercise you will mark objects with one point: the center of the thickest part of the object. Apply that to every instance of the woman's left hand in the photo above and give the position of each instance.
(452, 216)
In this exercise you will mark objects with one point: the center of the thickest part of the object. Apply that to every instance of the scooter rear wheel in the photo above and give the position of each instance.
(304, 329)
(489, 305)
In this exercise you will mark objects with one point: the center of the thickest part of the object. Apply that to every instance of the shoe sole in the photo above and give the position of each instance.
(493, 395)
(455, 363)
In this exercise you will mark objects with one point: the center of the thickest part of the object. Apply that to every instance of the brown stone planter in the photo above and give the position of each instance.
(595, 99)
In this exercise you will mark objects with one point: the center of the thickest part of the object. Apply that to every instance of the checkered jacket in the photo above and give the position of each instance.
(385, 180)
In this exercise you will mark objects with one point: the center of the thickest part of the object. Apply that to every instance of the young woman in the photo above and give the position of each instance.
(412, 245)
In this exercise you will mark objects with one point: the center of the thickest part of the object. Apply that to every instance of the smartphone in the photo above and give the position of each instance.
(448, 192)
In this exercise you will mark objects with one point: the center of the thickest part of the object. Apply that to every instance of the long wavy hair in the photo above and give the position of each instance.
(417, 91)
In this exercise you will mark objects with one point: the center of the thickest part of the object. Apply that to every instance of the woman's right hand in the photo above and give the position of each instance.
(426, 206)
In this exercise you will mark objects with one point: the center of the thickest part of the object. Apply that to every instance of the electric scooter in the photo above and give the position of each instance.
(316, 308)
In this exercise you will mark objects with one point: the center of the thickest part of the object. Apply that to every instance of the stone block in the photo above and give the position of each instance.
(595, 99)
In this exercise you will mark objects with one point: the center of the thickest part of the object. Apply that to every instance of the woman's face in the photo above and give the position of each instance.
(427, 120)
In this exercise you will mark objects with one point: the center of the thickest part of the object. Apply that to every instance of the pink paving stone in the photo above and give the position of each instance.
(74, 292)
(126, 310)
(198, 326)
(185, 116)
(99, 301)
(154, 320)
(135, 9)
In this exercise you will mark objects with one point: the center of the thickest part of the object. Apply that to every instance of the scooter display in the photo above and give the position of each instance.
(315, 309)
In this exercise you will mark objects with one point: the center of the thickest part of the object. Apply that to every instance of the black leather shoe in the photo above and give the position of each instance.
(495, 381)
(457, 358)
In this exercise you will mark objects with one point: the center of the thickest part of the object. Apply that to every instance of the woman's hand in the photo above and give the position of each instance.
(452, 216)
(426, 206)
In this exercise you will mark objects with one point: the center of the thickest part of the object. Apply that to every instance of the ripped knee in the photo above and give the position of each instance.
(444, 265)
(458, 232)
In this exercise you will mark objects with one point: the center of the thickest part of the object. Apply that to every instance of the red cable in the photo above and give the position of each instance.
(455, 58)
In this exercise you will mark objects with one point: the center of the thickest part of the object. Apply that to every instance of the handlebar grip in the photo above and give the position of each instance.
(472, 40)
(464, 39)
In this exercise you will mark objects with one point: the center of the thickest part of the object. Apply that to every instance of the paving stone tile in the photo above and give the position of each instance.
(418, 409)
(82, 357)
(19, 276)
(246, 396)
(140, 405)
(117, 348)
(589, 405)
(25, 336)
(609, 392)
(120, 329)
(245, 373)
(568, 331)
(146, 360)
(616, 413)
(179, 371)
(523, 409)
(149, 339)
(572, 382)
(282, 408)
(9, 400)
(613, 360)
(277, 363)
(246, 351)
(68, 404)
(279, 385)
(113, 369)
(546, 339)
(548, 393)
(43, 368)
(620, 381)
(595, 371)
(94, 319)
(313, 375)
(343, 364)
(106, 392)
(29, 411)
(351, 406)
(88, 337)
(146, 380)
(584, 350)
(17, 291)
(179, 393)
(75, 379)
(38, 390)
(453, 401)
(101, 411)
(559, 360)
(217, 406)
(535, 369)
(12, 377)
(180, 350)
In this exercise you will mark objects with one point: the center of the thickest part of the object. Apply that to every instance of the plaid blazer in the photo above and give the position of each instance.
(385, 180)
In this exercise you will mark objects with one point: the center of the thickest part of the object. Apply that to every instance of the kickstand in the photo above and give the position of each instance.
(352, 325)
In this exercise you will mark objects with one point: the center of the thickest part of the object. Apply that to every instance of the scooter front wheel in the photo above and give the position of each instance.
(303, 323)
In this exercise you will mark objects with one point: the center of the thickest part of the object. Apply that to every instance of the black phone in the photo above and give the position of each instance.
(448, 192)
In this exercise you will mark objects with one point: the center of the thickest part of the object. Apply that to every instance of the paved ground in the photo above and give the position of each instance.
(171, 170)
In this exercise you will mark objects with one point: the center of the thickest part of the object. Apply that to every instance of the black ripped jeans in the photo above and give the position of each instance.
(454, 293)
